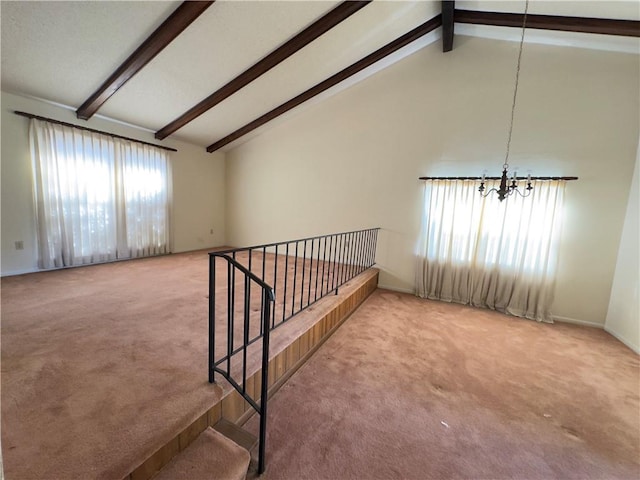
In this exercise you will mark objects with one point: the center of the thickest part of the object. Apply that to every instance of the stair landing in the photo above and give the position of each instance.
(211, 455)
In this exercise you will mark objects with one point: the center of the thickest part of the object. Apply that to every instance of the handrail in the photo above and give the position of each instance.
(251, 275)
(267, 245)
(321, 264)
(267, 299)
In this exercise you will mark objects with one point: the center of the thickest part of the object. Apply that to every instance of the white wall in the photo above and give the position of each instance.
(353, 160)
(623, 317)
(198, 185)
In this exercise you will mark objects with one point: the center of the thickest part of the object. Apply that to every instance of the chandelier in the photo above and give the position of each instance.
(510, 186)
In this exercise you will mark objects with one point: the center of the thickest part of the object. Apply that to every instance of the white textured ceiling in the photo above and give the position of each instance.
(63, 51)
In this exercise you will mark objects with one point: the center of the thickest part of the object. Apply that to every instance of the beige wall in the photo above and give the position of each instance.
(198, 185)
(353, 160)
(623, 317)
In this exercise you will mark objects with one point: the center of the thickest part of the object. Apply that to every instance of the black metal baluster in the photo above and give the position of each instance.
(359, 236)
(250, 251)
(304, 260)
(247, 311)
(264, 250)
(356, 261)
(354, 255)
(345, 263)
(230, 290)
(372, 259)
(324, 262)
(341, 261)
(275, 285)
(365, 246)
(347, 260)
(343, 255)
(337, 267)
(233, 300)
(375, 245)
(264, 386)
(315, 294)
(295, 274)
(310, 274)
(286, 280)
(212, 315)
(331, 269)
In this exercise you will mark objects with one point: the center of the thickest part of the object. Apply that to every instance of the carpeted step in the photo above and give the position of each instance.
(210, 456)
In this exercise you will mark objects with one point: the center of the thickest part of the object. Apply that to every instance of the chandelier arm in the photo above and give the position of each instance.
(526, 194)
(515, 90)
(488, 192)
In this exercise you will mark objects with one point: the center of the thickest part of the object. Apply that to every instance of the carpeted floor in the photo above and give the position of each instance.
(414, 389)
(103, 365)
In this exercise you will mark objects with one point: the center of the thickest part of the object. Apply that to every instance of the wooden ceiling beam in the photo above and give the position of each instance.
(448, 7)
(605, 26)
(306, 36)
(365, 62)
(180, 19)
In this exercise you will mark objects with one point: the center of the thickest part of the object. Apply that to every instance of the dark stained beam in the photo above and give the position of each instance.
(306, 36)
(180, 19)
(448, 7)
(627, 28)
(365, 62)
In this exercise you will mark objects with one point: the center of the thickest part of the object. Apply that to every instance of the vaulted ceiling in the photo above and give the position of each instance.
(245, 59)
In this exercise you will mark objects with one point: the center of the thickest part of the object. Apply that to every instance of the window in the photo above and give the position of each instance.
(480, 251)
(98, 198)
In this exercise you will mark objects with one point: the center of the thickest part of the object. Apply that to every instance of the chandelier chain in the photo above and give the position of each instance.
(515, 90)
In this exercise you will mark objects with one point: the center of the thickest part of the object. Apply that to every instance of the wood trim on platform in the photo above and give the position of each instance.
(365, 62)
(306, 36)
(605, 26)
(282, 366)
(180, 19)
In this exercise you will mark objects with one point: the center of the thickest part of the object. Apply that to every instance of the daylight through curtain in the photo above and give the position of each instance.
(97, 198)
(486, 253)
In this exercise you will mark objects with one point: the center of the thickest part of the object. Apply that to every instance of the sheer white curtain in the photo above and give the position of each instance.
(97, 198)
(486, 253)
(143, 180)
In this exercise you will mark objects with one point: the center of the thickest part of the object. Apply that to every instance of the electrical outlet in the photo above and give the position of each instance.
(211, 231)
(19, 245)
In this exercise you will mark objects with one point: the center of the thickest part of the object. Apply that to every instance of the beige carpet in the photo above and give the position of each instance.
(103, 365)
(414, 389)
(210, 456)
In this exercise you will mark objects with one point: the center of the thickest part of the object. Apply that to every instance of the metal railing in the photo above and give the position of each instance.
(297, 273)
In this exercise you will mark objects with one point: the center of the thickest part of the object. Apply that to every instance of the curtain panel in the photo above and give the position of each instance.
(478, 251)
(98, 198)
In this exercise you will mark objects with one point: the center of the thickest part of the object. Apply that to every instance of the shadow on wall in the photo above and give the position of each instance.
(388, 254)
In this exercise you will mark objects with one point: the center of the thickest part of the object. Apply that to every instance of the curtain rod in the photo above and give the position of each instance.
(58, 122)
(496, 178)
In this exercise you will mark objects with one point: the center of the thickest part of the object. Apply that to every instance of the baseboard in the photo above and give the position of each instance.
(619, 337)
(18, 272)
(397, 289)
(575, 321)
(53, 269)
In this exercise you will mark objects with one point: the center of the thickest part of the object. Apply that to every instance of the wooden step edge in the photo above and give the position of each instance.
(236, 433)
